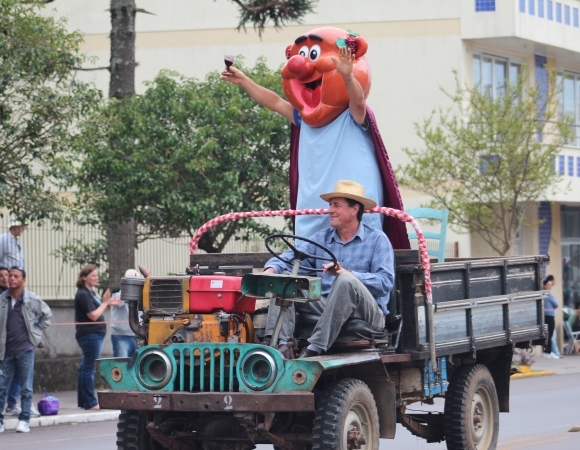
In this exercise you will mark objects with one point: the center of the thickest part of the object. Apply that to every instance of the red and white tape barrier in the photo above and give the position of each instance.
(401, 215)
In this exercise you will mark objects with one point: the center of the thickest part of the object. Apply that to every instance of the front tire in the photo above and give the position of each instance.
(471, 410)
(132, 432)
(347, 405)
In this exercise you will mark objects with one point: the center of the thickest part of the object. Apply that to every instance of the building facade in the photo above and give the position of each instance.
(414, 48)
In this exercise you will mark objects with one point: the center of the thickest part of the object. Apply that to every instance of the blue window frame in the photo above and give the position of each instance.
(523, 6)
(484, 5)
(541, 8)
(532, 7)
(575, 16)
(559, 12)
(550, 14)
(561, 164)
(567, 15)
(570, 166)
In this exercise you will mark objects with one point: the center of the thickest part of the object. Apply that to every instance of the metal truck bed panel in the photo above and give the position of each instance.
(478, 304)
(484, 278)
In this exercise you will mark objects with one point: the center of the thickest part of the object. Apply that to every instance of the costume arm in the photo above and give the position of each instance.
(357, 104)
(265, 97)
(381, 279)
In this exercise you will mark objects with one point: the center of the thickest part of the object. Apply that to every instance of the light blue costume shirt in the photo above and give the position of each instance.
(341, 150)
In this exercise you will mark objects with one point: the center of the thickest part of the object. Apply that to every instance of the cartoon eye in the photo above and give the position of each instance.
(304, 51)
(314, 52)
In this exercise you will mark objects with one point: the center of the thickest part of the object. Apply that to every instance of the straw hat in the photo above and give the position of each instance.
(352, 190)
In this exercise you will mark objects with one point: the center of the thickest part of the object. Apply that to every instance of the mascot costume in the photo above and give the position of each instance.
(334, 134)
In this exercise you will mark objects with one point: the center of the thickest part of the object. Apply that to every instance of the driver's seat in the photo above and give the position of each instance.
(353, 329)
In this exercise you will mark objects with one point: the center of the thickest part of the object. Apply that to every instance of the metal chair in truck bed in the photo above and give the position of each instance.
(441, 215)
(573, 339)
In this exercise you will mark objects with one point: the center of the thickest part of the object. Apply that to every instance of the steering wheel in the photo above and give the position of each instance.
(298, 254)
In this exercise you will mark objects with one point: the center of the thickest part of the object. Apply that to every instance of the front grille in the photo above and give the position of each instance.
(206, 369)
(166, 295)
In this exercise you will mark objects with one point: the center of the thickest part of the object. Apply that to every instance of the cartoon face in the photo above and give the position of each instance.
(310, 80)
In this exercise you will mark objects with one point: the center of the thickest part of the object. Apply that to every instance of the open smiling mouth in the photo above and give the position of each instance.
(310, 92)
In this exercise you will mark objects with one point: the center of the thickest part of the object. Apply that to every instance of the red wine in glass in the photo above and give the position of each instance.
(229, 60)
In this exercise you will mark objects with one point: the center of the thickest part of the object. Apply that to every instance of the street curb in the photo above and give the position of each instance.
(537, 373)
(45, 421)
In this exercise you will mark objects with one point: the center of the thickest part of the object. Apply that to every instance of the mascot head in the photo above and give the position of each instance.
(310, 80)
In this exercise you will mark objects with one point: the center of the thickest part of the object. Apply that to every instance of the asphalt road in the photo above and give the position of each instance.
(543, 410)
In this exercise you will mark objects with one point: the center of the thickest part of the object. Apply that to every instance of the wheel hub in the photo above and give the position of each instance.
(356, 427)
(481, 408)
(355, 439)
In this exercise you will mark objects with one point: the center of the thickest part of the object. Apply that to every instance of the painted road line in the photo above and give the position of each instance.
(530, 444)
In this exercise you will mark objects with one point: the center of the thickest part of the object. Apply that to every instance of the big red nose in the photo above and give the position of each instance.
(300, 67)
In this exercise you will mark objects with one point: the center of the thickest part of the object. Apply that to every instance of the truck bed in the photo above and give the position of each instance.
(479, 303)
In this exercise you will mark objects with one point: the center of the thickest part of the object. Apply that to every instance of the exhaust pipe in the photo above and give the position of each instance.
(132, 292)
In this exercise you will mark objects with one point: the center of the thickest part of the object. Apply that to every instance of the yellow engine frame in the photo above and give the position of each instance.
(193, 327)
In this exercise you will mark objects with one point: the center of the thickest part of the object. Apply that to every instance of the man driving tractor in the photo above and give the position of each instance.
(357, 287)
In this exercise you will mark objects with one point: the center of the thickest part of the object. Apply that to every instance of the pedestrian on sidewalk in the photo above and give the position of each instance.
(90, 331)
(12, 254)
(550, 306)
(122, 337)
(23, 319)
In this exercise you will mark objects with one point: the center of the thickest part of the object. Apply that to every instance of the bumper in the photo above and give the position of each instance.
(206, 401)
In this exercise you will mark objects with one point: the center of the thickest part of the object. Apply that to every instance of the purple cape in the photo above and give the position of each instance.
(393, 227)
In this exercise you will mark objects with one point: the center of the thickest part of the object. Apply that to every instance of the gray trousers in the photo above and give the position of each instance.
(348, 298)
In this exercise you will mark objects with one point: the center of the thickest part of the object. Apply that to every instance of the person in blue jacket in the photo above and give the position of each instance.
(550, 306)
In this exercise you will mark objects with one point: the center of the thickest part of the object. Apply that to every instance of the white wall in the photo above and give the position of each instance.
(413, 48)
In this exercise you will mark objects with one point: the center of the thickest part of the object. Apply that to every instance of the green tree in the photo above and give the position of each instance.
(40, 103)
(280, 12)
(486, 158)
(121, 235)
(184, 152)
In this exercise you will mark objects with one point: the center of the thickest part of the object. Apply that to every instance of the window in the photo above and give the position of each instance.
(550, 10)
(492, 73)
(522, 5)
(570, 166)
(570, 221)
(484, 5)
(569, 102)
(531, 7)
(541, 8)
(559, 12)
(567, 15)
(518, 246)
(561, 163)
(578, 166)
(576, 17)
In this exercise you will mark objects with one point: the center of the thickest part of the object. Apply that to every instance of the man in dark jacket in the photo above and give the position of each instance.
(23, 318)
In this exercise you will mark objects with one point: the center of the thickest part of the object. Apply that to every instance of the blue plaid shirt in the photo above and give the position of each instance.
(368, 255)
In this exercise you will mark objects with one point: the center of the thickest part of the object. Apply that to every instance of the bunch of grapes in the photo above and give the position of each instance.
(351, 43)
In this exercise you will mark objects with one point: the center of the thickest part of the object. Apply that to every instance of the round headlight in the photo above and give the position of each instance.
(154, 369)
(258, 370)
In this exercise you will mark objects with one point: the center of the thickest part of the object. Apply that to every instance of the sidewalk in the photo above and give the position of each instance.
(68, 412)
(547, 366)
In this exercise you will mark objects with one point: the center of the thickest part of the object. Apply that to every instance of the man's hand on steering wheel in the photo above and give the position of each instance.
(333, 270)
(300, 255)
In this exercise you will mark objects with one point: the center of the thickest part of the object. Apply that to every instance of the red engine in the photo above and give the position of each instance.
(212, 293)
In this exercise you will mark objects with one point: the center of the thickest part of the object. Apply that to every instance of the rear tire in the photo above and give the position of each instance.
(132, 432)
(471, 410)
(346, 405)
